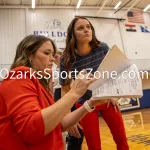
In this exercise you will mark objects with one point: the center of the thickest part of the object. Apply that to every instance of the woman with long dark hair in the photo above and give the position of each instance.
(83, 50)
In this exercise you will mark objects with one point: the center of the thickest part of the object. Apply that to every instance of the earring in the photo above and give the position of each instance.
(30, 60)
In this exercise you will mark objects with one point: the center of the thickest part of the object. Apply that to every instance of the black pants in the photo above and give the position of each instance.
(57, 94)
(73, 142)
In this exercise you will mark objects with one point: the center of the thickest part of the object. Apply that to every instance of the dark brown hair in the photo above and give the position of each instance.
(71, 45)
(27, 46)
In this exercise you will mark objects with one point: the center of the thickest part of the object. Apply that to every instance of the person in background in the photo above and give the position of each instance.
(29, 117)
(57, 86)
(83, 50)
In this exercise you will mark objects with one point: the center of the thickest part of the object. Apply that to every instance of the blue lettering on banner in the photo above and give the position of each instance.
(51, 34)
(54, 30)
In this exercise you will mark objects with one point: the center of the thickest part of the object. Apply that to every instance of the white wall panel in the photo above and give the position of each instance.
(107, 31)
(16, 23)
(136, 44)
(42, 20)
(12, 30)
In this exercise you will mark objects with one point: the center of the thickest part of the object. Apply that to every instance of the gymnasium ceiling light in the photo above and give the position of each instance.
(79, 3)
(146, 8)
(118, 4)
(33, 4)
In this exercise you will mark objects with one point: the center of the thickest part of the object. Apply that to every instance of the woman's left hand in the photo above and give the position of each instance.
(114, 102)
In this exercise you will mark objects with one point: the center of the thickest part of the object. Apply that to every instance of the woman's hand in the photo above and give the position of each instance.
(114, 102)
(93, 103)
(81, 83)
(74, 131)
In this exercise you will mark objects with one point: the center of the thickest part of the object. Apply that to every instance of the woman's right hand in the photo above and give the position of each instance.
(92, 102)
(81, 83)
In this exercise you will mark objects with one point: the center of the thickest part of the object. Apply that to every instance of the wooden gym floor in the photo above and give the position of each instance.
(137, 125)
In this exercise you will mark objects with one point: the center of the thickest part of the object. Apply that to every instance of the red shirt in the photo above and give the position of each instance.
(21, 122)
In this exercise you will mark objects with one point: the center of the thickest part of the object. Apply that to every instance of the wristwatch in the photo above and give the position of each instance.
(87, 107)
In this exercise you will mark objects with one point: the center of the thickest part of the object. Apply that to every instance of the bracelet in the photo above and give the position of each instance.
(87, 107)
